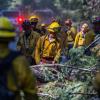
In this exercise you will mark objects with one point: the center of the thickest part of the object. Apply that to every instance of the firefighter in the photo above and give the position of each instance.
(43, 29)
(96, 25)
(84, 37)
(96, 46)
(71, 32)
(48, 46)
(27, 42)
(16, 79)
(34, 21)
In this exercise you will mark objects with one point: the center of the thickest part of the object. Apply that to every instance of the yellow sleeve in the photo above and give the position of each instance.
(33, 43)
(58, 53)
(34, 37)
(38, 51)
(25, 78)
(76, 40)
(74, 32)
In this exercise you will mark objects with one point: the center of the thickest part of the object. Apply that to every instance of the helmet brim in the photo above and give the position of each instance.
(50, 30)
(7, 34)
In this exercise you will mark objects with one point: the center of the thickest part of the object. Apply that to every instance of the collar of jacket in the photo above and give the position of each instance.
(47, 38)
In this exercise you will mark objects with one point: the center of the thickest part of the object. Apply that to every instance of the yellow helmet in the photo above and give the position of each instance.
(53, 26)
(6, 28)
(33, 18)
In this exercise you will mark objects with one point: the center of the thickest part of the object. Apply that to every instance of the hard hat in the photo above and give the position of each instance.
(33, 18)
(53, 26)
(6, 28)
(68, 22)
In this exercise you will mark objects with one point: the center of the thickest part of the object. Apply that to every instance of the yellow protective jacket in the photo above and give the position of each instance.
(45, 48)
(24, 78)
(27, 46)
(71, 34)
(84, 41)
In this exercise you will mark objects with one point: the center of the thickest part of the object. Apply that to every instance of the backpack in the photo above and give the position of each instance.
(5, 66)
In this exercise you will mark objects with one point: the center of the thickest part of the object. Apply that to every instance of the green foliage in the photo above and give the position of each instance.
(80, 67)
(73, 80)
(4, 4)
(69, 90)
(79, 59)
(29, 3)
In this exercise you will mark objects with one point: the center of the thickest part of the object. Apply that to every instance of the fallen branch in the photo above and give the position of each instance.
(45, 94)
(61, 65)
